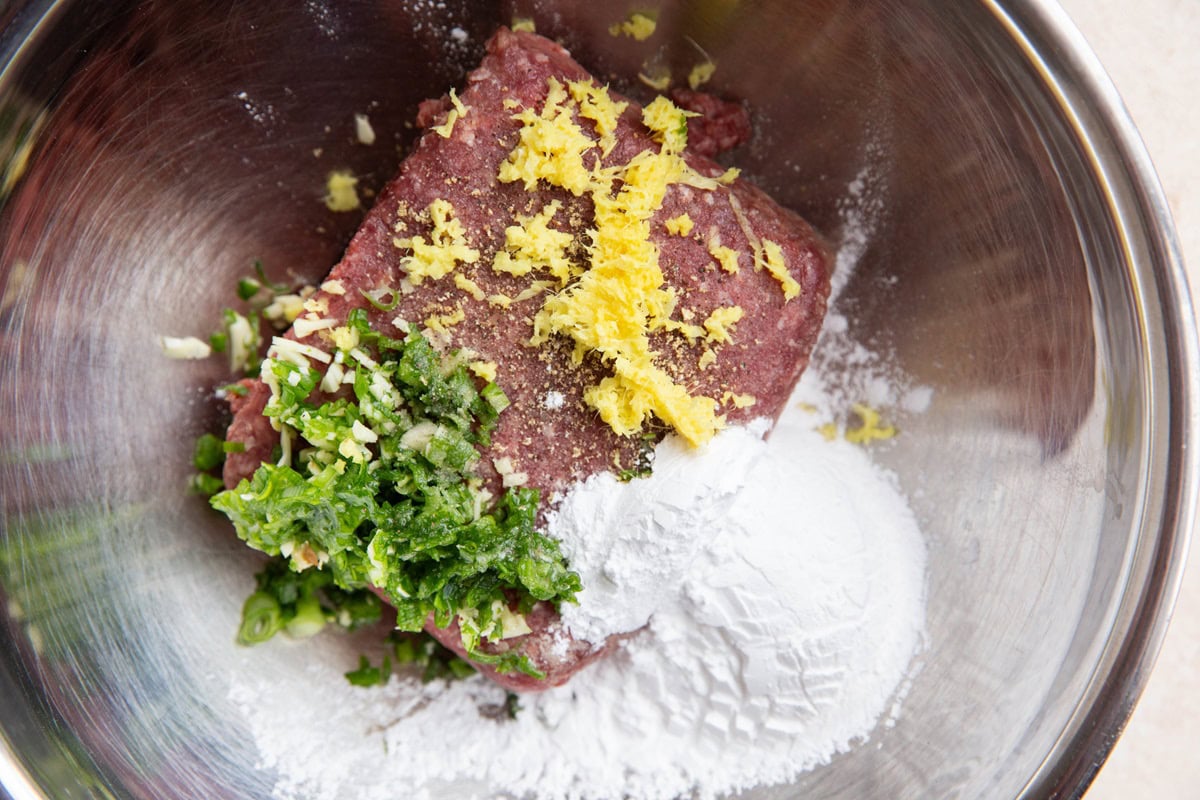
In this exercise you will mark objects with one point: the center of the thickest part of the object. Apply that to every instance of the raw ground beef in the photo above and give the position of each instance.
(548, 432)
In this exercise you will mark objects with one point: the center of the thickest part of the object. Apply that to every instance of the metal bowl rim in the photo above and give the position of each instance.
(1076, 756)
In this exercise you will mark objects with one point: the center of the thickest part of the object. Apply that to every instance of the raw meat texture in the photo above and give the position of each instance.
(720, 126)
(549, 433)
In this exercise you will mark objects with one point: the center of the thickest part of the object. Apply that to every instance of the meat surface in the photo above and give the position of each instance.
(720, 126)
(549, 432)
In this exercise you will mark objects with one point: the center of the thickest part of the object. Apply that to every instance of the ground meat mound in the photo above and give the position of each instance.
(548, 432)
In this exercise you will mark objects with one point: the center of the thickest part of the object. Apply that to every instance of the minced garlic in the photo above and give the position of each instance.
(340, 192)
(446, 248)
(317, 305)
(284, 309)
(611, 308)
(638, 26)
(720, 323)
(774, 263)
(452, 116)
(440, 323)
(679, 226)
(186, 347)
(363, 130)
(344, 338)
(726, 257)
(305, 326)
(738, 400)
(701, 74)
(870, 428)
(469, 286)
(484, 369)
(532, 244)
(658, 79)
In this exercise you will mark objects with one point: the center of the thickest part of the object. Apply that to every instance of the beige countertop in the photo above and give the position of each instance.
(1150, 50)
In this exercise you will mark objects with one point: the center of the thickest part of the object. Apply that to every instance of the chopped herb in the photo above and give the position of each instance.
(205, 484)
(262, 618)
(366, 675)
(512, 704)
(381, 493)
(209, 452)
(422, 650)
(459, 669)
(301, 604)
(207, 455)
(234, 388)
(495, 397)
(380, 306)
(644, 461)
(275, 288)
(308, 620)
(218, 342)
(412, 650)
(247, 288)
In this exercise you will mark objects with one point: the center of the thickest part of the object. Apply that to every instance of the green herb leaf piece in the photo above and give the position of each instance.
(308, 619)
(247, 288)
(204, 484)
(366, 675)
(209, 452)
(275, 288)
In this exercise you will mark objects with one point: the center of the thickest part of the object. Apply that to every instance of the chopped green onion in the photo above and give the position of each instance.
(380, 306)
(247, 288)
(366, 675)
(404, 651)
(512, 704)
(218, 342)
(205, 484)
(276, 288)
(495, 397)
(209, 452)
(261, 618)
(460, 669)
(308, 621)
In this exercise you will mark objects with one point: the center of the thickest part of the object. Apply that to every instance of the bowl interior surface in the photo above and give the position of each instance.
(153, 151)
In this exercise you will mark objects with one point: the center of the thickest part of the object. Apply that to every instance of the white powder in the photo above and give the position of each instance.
(783, 584)
(634, 544)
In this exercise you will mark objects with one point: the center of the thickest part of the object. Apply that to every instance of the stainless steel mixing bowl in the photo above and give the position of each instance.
(1021, 262)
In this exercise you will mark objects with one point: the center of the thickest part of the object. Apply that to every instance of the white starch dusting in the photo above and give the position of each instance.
(779, 589)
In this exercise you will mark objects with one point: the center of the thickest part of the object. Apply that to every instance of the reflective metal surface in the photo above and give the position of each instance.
(1022, 264)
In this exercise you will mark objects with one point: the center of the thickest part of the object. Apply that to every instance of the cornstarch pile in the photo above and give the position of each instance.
(773, 596)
